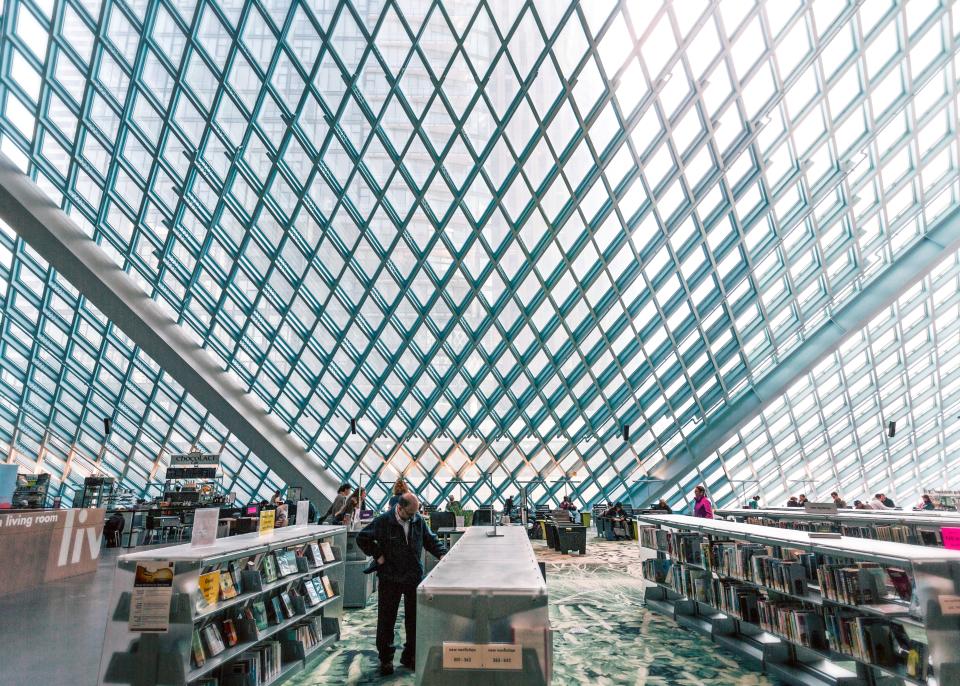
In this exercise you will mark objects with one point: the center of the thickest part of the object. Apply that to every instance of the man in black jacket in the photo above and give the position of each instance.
(396, 540)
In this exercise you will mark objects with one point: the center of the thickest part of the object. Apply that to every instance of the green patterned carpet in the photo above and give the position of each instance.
(603, 634)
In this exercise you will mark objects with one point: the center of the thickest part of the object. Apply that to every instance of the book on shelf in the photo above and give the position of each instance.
(656, 570)
(327, 585)
(737, 599)
(209, 585)
(227, 589)
(326, 551)
(212, 640)
(229, 629)
(307, 634)
(286, 604)
(310, 596)
(860, 584)
(319, 588)
(269, 568)
(276, 608)
(236, 567)
(197, 655)
(259, 611)
(875, 640)
(314, 555)
(798, 622)
(286, 563)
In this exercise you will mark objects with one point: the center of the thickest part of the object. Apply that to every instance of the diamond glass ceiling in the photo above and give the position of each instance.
(494, 232)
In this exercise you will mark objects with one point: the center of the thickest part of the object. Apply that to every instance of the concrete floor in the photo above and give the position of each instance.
(53, 634)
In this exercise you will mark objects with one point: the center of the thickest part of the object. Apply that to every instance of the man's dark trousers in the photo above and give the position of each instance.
(389, 594)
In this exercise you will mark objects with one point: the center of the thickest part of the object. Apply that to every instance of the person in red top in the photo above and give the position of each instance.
(701, 503)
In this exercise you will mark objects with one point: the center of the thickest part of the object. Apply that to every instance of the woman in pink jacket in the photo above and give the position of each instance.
(701, 503)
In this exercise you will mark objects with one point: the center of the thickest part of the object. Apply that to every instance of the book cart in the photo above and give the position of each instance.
(918, 528)
(840, 611)
(249, 610)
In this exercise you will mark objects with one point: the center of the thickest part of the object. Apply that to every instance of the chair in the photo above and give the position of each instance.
(483, 517)
(442, 520)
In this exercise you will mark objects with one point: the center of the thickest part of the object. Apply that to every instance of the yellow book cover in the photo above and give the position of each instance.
(210, 586)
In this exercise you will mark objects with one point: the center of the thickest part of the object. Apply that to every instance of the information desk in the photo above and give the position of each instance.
(482, 616)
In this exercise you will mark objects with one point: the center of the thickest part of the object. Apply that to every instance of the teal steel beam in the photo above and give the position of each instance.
(915, 263)
(49, 231)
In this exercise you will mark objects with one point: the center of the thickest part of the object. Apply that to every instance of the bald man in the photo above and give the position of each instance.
(396, 540)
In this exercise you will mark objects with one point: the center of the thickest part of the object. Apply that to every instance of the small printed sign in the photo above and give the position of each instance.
(950, 604)
(951, 537)
(500, 656)
(205, 523)
(152, 593)
(303, 513)
(820, 508)
(504, 656)
(266, 521)
(462, 655)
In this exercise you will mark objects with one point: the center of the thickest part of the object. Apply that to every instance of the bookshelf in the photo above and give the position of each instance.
(248, 610)
(841, 611)
(918, 528)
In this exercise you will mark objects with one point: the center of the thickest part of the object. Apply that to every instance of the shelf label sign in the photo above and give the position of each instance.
(949, 604)
(951, 537)
(303, 512)
(820, 508)
(504, 656)
(266, 521)
(152, 593)
(462, 655)
(205, 521)
(500, 656)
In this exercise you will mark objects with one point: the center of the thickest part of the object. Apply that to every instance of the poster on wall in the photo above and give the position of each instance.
(152, 593)
(8, 484)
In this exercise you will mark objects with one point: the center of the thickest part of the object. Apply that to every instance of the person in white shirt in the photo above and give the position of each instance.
(877, 503)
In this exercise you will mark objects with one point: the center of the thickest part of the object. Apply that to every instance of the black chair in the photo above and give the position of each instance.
(442, 520)
(483, 517)
(569, 537)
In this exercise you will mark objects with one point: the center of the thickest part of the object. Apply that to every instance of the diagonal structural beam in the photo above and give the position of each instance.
(916, 262)
(49, 231)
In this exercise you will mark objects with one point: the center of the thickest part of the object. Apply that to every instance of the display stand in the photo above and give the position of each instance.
(482, 615)
(840, 611)
(164, 658)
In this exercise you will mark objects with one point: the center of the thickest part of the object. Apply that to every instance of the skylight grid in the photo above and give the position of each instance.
(830, 430)
(65, 369)
(495, 221)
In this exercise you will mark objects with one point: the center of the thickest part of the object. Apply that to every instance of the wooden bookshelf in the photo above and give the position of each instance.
(757, 590)
(150, 659)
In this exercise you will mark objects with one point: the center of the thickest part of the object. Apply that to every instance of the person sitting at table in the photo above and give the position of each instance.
(277, 498)
(837, 500)
(661, 506)
(753, 503)
(112, 529)
(877, 503)
(618, 519)
(926, 503)
(567, 504)
(793, 502)
(887, 500)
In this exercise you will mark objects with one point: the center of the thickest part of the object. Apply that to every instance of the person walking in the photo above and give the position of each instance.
(701, 503)
(395, 540)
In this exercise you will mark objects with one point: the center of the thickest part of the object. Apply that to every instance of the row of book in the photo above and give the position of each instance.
(798, 622)
(864, 583)
(223, 582)
(264, 662)
(654, 538)
(218, 635)
(876, 641)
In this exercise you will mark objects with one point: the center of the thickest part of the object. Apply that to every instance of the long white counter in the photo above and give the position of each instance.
(482, 616)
